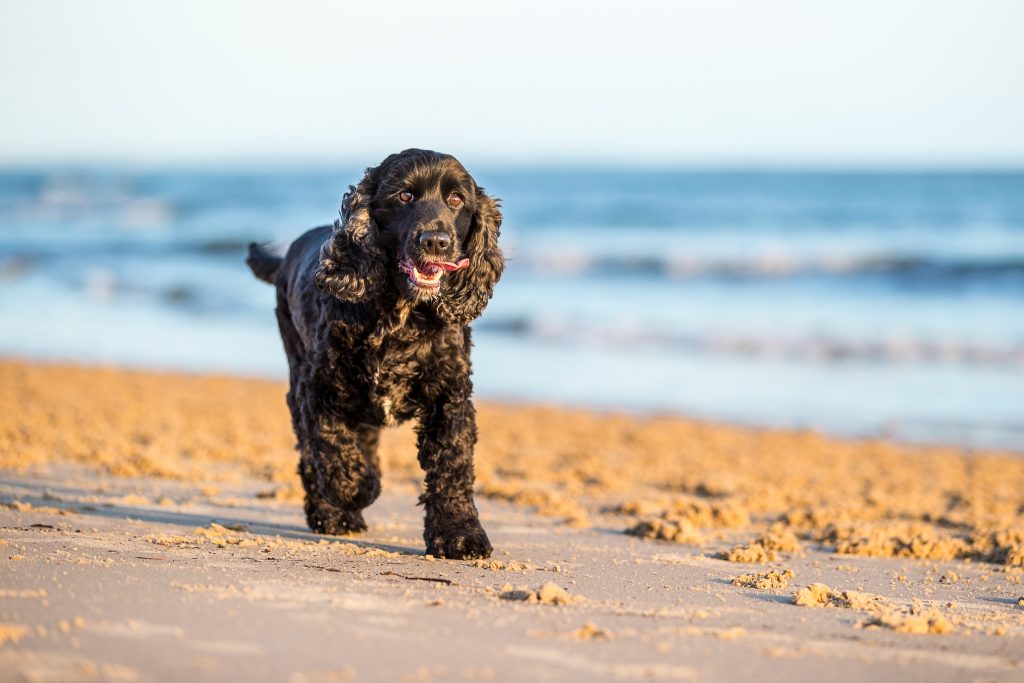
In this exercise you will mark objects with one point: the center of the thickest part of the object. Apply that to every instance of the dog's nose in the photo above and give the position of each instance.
(435, 241)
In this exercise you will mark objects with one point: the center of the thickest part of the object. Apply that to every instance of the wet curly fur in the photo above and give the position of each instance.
(368, 347)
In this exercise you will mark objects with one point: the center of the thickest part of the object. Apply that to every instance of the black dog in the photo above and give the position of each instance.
(374, 316)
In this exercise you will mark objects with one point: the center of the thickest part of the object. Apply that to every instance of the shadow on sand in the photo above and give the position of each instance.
(249, 519)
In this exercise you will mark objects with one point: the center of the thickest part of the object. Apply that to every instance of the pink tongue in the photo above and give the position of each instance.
(449, 266)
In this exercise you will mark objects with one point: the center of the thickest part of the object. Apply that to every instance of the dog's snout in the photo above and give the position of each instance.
(435, 241)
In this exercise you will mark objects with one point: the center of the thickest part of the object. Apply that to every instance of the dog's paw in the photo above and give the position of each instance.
(336, 522)
(466, 541)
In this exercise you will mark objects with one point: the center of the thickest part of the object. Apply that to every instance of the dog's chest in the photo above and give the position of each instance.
(393, 376)
(391, 400)
(396, 371)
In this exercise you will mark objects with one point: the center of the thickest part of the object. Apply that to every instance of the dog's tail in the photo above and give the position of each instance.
(262, 263)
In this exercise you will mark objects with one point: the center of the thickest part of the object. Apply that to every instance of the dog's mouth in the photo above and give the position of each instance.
(428, 274)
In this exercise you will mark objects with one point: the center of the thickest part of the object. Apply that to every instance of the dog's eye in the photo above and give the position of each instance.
(454, 200)
(405, 196)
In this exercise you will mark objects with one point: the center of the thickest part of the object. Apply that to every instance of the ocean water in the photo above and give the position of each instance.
(858, 303)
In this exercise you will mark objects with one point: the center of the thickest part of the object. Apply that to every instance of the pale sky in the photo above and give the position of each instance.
(784, 82)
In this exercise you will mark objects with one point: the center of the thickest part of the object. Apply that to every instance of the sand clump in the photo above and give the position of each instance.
(820, 595)
(703, 514)
(732, 633)
(729, 633)
(769, 580)
(590, 631)
(986, 543)
(683, 519)
(22, 506)
(676, 531)
(12, 633)
(548, 594)
(915, 541)
(922, 623)
(547, 502)
(39, 593)
(883, 612)
(766, 548)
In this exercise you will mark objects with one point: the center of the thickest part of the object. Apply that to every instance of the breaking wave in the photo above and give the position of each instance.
(910, 267)
(817, 348)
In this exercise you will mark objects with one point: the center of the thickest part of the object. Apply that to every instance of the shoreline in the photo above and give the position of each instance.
(678, 549)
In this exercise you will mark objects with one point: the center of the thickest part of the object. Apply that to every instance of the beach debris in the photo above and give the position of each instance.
(432, 579)
(499, 565)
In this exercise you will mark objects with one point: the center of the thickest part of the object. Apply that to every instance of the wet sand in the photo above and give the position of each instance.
(151, 528)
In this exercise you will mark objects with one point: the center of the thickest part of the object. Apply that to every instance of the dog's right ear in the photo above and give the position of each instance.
(351, 263)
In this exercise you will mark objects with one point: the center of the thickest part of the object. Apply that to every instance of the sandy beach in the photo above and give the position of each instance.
(151, 529)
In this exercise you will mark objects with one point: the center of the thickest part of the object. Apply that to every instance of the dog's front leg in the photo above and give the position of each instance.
(447, 434)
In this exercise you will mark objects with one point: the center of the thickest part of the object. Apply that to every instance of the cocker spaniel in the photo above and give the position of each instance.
(374, 314)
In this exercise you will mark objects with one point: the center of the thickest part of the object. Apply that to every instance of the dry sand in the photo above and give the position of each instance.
(150, 528)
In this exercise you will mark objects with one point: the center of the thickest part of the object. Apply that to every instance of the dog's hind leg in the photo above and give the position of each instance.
(369, 441)
(333, 460)
(322, 516)
(341, 476)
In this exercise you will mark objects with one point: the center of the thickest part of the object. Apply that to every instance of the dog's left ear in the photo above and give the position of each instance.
(352, 265)
(467, 292)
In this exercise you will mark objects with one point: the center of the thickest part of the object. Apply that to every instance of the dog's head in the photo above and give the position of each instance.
(419, 223)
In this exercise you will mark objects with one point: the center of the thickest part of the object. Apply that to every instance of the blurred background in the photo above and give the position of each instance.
(790, 214)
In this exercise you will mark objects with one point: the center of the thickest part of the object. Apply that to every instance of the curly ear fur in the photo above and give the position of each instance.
(352, 265)
(467, 292)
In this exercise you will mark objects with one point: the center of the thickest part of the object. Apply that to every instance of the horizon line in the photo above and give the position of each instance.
(488, 162)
